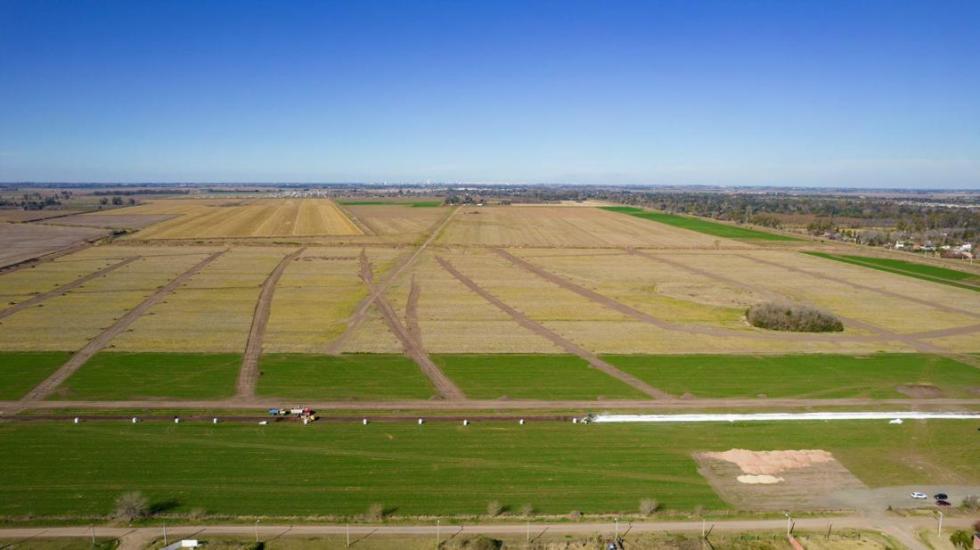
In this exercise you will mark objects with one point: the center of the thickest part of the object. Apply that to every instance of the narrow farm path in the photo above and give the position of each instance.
(377, 290)
(248, 375)
(64, 289)
(412, 347)
(95, 345)
(553, 336)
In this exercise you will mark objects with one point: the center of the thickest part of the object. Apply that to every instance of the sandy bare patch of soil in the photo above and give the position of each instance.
(920, 391)
(20, 241)
(776, 480)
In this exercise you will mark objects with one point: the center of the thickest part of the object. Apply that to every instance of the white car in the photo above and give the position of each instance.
(919, 496)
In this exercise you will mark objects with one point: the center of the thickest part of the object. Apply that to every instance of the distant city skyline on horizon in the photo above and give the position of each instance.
(872, 95)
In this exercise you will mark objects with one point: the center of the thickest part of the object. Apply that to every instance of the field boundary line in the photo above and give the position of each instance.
(96, 344)
(361, 224)
(374, 292)
(248, 374)
(65, 288)
(882, 291)
(554, 337)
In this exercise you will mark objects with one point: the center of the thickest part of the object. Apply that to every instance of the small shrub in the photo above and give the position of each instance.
(971, 502)
(132, 506)
(197, 513)
(376, 511)
(527, 509)
(494, 508)
(962, 539)
(649, 506)
(793, 318)
(575, 515)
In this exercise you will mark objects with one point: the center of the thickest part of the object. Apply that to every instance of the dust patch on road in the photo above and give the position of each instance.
(776, 480)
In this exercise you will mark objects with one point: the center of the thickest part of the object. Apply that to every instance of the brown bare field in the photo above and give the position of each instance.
(10, 215)
(255, 218)
(544, 226)
(22, 241)
(68, 322)
(396, 223)
(212, 312)
(112, 221)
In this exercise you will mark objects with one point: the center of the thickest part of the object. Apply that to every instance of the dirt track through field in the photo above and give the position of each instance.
(365, 305)
(248, 375)
(411, 346)
(554, 337)
(412, 312)
(95, 345)
(64, 289)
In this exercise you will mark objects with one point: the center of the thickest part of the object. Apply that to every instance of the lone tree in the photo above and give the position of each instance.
(132, 506)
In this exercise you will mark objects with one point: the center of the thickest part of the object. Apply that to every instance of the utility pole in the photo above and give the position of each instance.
(91, 529)
(348, 535)
(789, 523)
(165, 534)
(940, 532)
(438, 538)
(257, 530)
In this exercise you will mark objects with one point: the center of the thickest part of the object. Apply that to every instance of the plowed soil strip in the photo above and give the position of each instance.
(362, 308)
(45, 388)
(413, 348)
(64, 289)
(248, 375)
(554, 337)
(881, 291)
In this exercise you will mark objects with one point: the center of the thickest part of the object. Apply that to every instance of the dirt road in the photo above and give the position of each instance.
(137, 537)
(365, 305)
(412, 346)
(64, 289)
(45, 388)
(248, 375)
(553, 336)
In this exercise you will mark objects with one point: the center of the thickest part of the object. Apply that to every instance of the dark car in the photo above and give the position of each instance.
(942, 503)
(940, 496)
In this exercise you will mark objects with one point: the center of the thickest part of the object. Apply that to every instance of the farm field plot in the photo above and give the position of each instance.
(68, 322)
(890, 312)
(112, 376)
(18, 215)
(212, 312)
(396, 222)
(522, 376)
(941, 275)
(115, 220)
(21, 371)
(317, 295)
(17, 286)
(22, 241)
(700, 225)
(437, 468)
(257, 218)
(342, 377)
(806, 376)
(543, 226)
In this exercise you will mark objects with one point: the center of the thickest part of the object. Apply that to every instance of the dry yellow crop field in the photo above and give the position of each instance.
(20, 285)
(316, 296)
(888, 312)
(172, 207)
(212, 312)
(68, 322)
(256, 218)
(372, 336)
(397, 223)
(543, 226)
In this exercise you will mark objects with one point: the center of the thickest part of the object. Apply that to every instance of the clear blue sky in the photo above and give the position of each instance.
(853, 93)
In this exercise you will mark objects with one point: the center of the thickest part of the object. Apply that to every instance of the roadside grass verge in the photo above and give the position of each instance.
(805, 376)
(530, 376)
(434, 469)
(118, 376)
(700, 225)
(362, 376)
(22, 370)
(941, 275)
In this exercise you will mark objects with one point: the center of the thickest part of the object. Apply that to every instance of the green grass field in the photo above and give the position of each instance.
(699, 224)
(21, 371)
(811, 376)
(925, 272)
(120, 376)
(519, 376)
(437, 468)
(342, 377)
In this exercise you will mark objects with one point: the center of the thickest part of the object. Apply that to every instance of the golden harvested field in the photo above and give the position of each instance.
(212, 312)
(67, 322)
(570, 227)
(397, 223)
(254, 218)
(317, 294)
(20, 285)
